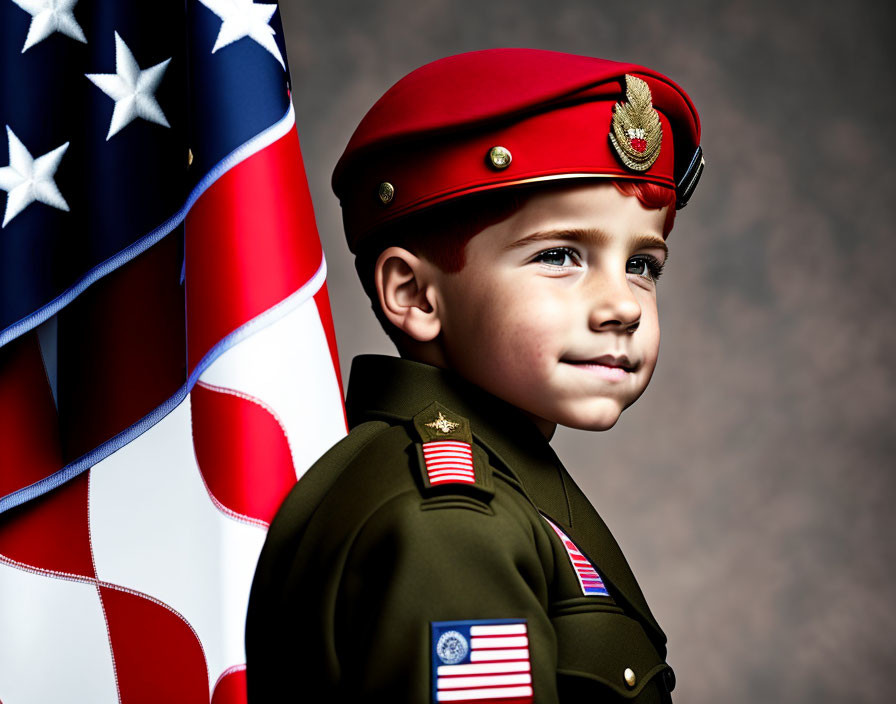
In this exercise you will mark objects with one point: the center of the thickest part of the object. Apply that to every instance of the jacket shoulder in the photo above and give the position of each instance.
(317, 480)
(431, 456)
(449, 463)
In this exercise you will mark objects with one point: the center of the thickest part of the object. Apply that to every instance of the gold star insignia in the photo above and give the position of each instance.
(443, 424)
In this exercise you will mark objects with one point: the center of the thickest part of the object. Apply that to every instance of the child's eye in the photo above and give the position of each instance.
(645, 265)
(559, 256)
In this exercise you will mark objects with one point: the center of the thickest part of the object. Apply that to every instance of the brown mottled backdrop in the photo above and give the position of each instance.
(752, 485)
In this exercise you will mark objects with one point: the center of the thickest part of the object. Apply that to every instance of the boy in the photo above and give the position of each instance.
(508, 209)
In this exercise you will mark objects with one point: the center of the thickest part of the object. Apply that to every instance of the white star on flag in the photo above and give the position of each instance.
(27, 179)
(131, 89)
(244, 18)
(48, 16)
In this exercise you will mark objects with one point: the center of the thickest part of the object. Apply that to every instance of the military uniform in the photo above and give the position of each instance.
(441, 552)
(372, 560)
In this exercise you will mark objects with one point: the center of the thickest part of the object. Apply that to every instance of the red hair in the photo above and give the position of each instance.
(652, 196)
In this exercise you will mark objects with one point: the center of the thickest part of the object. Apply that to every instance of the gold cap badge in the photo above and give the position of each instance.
(636, 133)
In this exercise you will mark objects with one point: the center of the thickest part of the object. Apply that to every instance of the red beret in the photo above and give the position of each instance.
(505, 117)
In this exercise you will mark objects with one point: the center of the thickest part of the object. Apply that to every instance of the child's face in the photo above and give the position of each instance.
(546, 292)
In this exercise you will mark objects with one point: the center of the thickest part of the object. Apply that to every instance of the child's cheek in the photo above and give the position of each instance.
(531, 346)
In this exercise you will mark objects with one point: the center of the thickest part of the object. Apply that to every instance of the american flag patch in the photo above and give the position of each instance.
(481, 661)
(449, 461)
(589, 579)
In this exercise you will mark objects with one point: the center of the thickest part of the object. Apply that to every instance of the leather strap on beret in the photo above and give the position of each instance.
(687, 183)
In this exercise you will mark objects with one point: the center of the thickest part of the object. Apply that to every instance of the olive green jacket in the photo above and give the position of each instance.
(367, 557)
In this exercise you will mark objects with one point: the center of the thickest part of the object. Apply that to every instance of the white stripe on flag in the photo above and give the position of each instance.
(54, 646)
(512, 629)
(489, 668)
(287, 365)
(509, 642)
(154, 481)
(483, 681)
(490, 693)
(492, 655)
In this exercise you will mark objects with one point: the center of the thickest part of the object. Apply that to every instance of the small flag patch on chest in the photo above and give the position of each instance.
(449, 461)
(481, 661)
(589, 579)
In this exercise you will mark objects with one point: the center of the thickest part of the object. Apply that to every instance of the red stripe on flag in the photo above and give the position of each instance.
(242, 451)
(51, 531)
(158, 657)
(245, 251)
(322, 301)
(231, 687)
(28, 420)
(502, 700)
(121, 348)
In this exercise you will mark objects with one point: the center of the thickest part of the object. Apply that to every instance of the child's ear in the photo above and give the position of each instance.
(406, 289)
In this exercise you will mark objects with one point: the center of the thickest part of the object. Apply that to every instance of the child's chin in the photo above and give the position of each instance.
(595, 417)
(594, 426)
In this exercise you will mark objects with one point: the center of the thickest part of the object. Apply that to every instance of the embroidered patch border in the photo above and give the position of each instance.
(481, 661)
(589, 579)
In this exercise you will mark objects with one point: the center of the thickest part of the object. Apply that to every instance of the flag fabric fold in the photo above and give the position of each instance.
(168, 366)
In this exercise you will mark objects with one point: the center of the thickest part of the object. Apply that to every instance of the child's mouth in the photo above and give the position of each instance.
(608, 367)
(602, 370)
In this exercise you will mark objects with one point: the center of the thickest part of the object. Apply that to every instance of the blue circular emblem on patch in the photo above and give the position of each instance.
(452, 647)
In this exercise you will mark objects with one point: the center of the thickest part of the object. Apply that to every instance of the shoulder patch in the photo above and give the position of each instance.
(481, 661)
(448, 460)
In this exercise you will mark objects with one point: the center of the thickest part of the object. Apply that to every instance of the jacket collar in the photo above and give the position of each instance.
(394, 389)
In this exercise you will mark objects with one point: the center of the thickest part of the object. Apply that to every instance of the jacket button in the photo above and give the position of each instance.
(386, 192)
(629, 676)
(669, 679)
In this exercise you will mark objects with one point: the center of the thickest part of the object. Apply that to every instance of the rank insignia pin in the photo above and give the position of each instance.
(443, 424)
(636, 132)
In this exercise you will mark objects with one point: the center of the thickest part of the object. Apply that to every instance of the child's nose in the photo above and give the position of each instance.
(613, 305)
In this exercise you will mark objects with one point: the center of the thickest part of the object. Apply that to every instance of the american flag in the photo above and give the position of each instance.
(168, 365)
(481, 661)
(589, 579)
